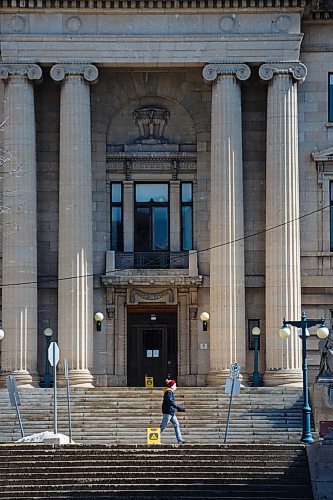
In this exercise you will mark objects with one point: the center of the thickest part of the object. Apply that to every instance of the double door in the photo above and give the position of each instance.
(151, 348)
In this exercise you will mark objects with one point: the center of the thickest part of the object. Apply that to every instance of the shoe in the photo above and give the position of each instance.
(181, 442)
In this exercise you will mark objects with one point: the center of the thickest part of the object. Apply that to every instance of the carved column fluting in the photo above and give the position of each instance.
(227, 277)
(283, 276)
(19, 250)
(75, 290)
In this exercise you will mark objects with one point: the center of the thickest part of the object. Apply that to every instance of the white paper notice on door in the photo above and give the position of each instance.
(149, 353)
(156, 353)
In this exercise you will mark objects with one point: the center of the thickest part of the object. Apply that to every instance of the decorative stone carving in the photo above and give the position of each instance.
(74, 24)
(88, 71)
(227, 24)
(283, 23)
(151, 121)
(326, 363)
(31, 71)
(18, 24)
(211, 71)
(298, 70)
(151, 296)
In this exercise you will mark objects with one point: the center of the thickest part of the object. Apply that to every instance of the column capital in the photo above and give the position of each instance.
(89, 72)
(240, 70)
(296, 69)
(31, 71)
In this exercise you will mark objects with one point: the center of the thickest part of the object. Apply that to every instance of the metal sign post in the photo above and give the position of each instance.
(232, 387)
(68, 401)
(53, 354)
(14, 399)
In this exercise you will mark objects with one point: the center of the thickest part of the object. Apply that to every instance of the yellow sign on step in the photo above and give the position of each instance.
(149, 382)
(153, 436)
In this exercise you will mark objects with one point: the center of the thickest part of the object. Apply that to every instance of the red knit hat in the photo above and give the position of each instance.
(170, 383)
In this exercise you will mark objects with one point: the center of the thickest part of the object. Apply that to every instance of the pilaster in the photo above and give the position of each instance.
(19, 258)
(283, 281)
(75, 291)
(227, 275)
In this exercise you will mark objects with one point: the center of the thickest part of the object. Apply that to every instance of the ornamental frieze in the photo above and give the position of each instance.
(166, 296)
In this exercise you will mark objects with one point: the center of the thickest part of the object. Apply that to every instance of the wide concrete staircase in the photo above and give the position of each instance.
(121, 415)
(232, 472)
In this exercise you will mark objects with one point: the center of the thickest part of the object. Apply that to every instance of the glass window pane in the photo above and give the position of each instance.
(116, 229)
(116, 192)
(152, 192)
(187, 228)
(330, 98)
(332, 229)
(186, 192)
(160, 229)
(331, 190)
(142, 230)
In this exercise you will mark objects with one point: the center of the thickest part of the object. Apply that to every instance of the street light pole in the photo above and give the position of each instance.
(322, 332)
(47, 376)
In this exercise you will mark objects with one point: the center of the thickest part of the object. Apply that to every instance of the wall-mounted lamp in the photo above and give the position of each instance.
(153, 317)
(204, 316)
(99, 318)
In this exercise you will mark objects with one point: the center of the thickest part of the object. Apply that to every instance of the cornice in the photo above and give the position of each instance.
(146, 5)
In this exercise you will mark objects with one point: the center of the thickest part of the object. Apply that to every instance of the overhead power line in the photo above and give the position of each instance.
(51, 279)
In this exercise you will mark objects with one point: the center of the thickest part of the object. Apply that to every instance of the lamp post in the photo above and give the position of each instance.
(322, 333)
(256, 375)
(47, 377)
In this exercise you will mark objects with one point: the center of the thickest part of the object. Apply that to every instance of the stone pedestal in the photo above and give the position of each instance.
(227, 276)
(321, 394)
(19, 257)
(283, 277)
(75, 291)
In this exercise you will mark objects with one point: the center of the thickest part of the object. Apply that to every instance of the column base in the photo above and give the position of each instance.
(23, 379)
(283, 377)
(77, 378)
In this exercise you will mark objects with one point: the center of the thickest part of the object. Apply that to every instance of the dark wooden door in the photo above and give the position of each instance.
(151, 349)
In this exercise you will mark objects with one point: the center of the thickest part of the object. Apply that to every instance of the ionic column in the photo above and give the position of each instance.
(75, 291)
(227, 279)
(283, 276)
(19, 257)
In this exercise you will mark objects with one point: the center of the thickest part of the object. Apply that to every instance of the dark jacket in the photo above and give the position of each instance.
(169, 406)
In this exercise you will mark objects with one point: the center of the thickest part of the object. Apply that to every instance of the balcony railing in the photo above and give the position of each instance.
(152, 260)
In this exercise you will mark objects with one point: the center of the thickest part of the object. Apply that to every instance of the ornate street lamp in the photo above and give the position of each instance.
(256, 375)
(48, 332)
(322, 333)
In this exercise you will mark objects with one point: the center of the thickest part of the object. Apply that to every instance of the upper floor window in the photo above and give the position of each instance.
(151, 218)
(331, 216)
(116, 216)
(330, 97)
(187, 215)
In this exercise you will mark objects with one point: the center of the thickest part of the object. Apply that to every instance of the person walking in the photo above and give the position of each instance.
(169, 408)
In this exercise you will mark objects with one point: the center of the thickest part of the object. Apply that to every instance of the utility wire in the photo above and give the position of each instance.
(49, 279)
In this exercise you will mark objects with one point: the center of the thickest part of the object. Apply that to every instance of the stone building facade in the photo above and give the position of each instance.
(164, 158)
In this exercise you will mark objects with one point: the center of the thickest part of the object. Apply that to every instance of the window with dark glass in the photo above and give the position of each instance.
(187, 215)
(330, 97)
(151, 217)
(116, 216)
(251, 323)
(331, 216)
